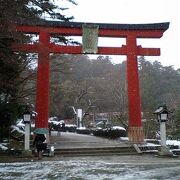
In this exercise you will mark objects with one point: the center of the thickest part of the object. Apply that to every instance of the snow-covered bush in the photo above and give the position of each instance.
(17, 133)
(3, 147)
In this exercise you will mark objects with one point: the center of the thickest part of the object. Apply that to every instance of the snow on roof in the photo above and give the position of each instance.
(173, 142)
(119, 128)
(159, 110)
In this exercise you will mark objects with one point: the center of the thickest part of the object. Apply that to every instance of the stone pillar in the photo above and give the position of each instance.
(79, 118)
(27, 137)
(163, 133)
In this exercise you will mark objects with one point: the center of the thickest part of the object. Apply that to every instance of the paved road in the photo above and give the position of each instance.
(72, 140)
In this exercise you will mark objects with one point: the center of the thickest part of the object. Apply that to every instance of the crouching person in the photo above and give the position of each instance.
(39, 144)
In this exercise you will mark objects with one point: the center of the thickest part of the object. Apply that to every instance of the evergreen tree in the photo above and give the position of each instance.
(16, 73)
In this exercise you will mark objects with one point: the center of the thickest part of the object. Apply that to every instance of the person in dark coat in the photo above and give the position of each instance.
(39, 144)
(50, 128)
(59, 129)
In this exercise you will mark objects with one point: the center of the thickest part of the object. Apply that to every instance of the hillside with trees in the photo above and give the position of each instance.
(100, 80)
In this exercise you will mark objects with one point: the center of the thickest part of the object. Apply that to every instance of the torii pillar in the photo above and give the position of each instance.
(135, 129)
(43, 76)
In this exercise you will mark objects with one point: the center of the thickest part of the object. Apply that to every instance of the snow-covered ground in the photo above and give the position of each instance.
(149, 142)
(94, 168)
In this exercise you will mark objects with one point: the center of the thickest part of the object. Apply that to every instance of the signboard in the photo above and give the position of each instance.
(90, 38)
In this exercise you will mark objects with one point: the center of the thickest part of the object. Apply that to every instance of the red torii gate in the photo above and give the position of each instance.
(129, 31)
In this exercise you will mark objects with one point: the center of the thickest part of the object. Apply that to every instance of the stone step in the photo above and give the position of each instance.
(96, 151)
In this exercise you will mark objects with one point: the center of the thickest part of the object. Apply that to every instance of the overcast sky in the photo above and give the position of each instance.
(135, 12)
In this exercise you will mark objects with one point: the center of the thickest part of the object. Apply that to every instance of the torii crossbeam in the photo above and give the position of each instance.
(129, 31)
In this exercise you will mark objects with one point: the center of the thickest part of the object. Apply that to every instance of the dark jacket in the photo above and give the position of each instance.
(39, 139)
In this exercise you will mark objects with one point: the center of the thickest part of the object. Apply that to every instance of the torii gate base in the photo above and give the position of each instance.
(129, 31)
